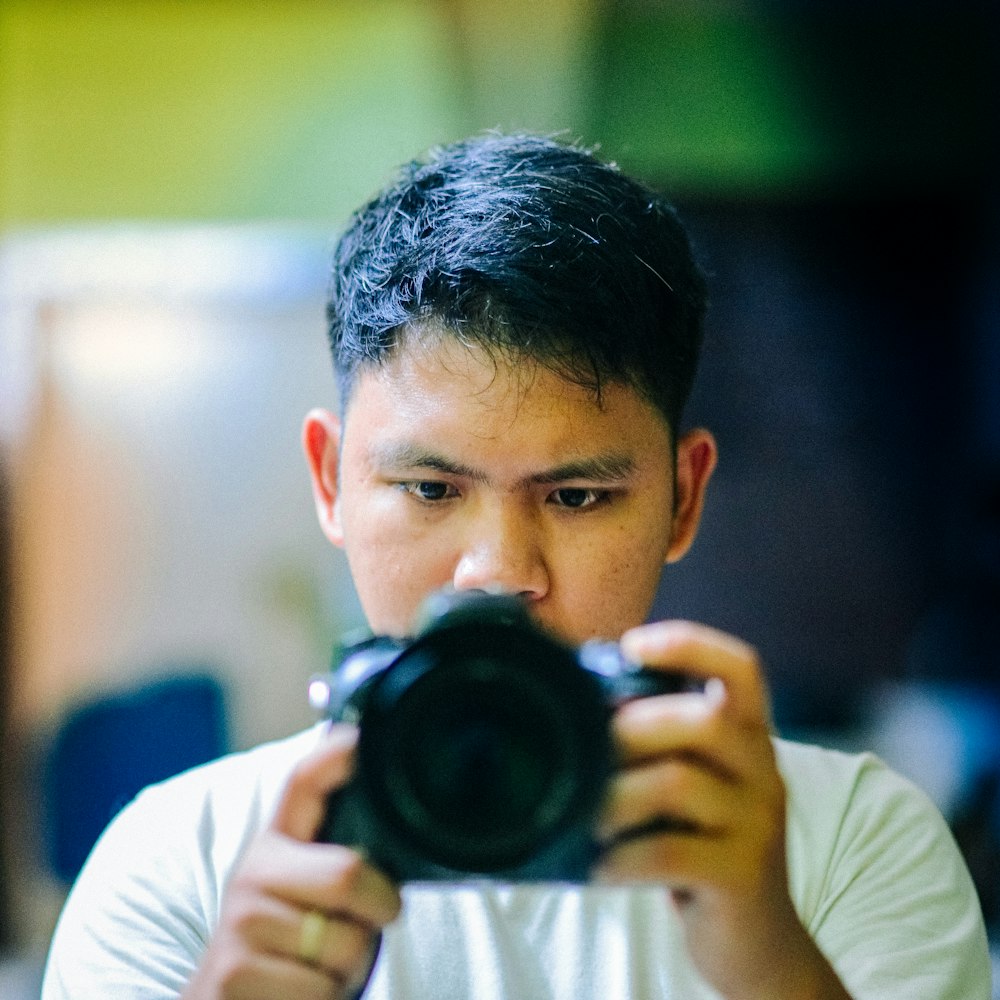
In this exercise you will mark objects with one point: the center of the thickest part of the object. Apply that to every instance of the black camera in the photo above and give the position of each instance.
(484, 745)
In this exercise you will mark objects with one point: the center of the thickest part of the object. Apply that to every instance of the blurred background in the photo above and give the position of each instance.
(171, 177)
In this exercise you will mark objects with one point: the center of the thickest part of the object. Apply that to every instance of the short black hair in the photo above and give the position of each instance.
(526, 245)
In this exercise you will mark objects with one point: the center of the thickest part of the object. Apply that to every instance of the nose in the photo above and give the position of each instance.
(503, 551)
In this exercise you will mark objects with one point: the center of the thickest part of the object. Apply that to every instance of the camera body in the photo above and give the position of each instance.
(484, 746)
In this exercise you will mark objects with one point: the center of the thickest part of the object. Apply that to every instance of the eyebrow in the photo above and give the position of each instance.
(611, 467)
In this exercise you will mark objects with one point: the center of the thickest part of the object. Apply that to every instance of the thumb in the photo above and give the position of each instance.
(302, 805)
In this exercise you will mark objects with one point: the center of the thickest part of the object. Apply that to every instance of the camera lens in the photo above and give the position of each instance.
(481, 746)
(479, 767)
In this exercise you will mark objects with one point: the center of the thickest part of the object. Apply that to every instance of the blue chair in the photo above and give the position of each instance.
(109, 748)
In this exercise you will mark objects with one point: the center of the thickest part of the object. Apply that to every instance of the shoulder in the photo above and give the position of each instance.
(268, 762)
(854, 801)
(877, 878)
(210, 811)
(221, 804)
(188, 832)
(847, 806)
(831, 779)
(158, 874)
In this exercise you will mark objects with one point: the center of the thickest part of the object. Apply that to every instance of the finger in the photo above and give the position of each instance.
(349, 953)
(678, 858)
(740, 861)
(675, 792)
(326, 877)
(277, 927)
(342, 948)
(263, 976)
(303, 803)
(648, 728)
(674, 859)
(705, 653)
(677, 725)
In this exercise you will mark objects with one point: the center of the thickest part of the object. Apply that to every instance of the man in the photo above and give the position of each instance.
(515, 327)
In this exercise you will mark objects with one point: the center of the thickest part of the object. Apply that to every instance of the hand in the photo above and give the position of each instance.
(299, 918)
(699, 804)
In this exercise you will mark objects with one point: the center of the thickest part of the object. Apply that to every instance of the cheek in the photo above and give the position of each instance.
(635, 548)
(393, 570)
(630, 576)
(609, 585)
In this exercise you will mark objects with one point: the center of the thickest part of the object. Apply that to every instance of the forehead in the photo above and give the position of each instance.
(460, 398)
(484, 361)
(495, 344)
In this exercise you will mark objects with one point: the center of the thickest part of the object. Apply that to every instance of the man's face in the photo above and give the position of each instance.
(452, 468)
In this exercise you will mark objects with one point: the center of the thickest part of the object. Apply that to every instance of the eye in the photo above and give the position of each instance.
(577, 497)
(429, 491)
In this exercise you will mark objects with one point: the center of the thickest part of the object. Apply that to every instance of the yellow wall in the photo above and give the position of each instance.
(208, 108)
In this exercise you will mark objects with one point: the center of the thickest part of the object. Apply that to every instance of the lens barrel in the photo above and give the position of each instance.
(481, 746)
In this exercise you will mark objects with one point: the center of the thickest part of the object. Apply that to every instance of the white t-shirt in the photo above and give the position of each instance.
(874, 874)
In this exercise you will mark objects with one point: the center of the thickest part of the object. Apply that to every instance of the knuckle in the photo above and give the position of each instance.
(236, 972)
(246, 922)
(304, 778)
(353, 945)
(672, 781)
(688, 782)
(348, 871)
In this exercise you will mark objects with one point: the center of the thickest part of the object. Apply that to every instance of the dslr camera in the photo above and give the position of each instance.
(484, 746)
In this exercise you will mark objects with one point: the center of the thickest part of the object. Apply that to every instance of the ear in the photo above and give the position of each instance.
(321, 433)
(696, 458)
